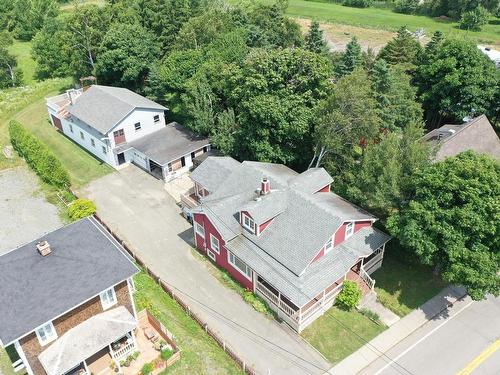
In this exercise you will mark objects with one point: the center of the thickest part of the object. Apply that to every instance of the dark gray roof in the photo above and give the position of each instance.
(312, 180)
(210, 175)
(102, 107)
(319, 275)
(85, 260)
(168, 144)
(303, 221)
(477, 135)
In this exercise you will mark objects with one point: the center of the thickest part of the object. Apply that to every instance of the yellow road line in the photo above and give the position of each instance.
(480, 358)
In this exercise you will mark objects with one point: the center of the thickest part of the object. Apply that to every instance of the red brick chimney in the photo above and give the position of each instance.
(43, 248)
(265, 186)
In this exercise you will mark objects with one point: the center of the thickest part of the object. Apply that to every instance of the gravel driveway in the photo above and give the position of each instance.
(24, 212)
(138, 208)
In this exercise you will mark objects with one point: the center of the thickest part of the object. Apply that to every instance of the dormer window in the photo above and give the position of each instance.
(349, 229)
(248, 223)
(329, 246)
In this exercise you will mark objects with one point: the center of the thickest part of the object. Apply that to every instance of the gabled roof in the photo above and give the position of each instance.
(302, 221)
(210, 175)
(311, 180)
(85, 260)
(103, 107)
(477, 135)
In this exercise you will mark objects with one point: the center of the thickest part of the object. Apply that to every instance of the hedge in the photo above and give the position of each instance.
(81, 208)
(38, 156)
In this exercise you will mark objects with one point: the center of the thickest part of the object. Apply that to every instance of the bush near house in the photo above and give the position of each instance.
(38, 156)
(350, 295)
(81, 208)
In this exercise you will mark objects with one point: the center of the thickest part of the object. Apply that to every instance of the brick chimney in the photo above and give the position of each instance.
(265, 186)
(43, 248)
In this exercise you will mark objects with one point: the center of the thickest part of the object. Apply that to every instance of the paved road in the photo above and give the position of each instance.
(135, 205)
(446, 346)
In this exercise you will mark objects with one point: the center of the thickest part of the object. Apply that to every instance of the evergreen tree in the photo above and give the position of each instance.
(403, 49)
(351, 59)
(314, 39)
(435, 42)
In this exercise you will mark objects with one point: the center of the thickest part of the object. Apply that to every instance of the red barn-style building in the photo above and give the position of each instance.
(284, 235)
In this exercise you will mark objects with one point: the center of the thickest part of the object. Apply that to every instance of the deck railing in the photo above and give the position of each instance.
(123, 351)
(367, 279)
(18, 365)
(282, 305)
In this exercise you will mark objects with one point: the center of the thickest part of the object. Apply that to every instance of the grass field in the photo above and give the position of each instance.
(5, 363)
(386, 19)
(200, 353)
(22, 52)
(402, 287)
(328, 336)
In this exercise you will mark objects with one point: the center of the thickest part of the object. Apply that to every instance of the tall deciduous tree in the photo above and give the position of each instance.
(453, 221)
(455, 79)
(403, 49)
(315, 42)
(9, 74)
(29, 16)
(351, 59)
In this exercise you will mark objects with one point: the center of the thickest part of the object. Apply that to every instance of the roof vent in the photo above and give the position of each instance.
(43, 248)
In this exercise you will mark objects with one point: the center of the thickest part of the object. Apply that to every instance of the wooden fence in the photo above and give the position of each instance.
(170, 291)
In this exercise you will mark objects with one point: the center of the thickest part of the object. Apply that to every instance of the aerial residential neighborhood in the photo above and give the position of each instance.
(217, 187)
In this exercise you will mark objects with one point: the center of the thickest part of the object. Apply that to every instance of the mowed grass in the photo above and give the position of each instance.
(22, 52)
(388, 20)
(200, 354)
(328, 335)
(403, 286)
(82, 166)
(5, 363)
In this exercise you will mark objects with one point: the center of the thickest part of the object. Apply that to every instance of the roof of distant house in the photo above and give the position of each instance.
(85, 261)
(477, 135)
(211, 174)
(103, 107)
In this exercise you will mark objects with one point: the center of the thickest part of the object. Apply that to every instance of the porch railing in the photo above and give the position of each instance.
(187, 201)
(366, 278)
(18, 365)
(123, 351)
(269, 295)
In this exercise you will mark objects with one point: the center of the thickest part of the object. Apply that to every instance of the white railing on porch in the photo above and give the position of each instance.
(367, 279)
(18, 365)
(123, 351)
(266, 293)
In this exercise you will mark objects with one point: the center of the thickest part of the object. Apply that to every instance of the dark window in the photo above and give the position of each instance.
(193, 155)
(156, 118)
(183, 161)
(205, 149)
(137, 126)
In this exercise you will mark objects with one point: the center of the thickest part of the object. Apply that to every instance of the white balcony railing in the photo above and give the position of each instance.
(367, 279)
(123, 351)
(270, 296)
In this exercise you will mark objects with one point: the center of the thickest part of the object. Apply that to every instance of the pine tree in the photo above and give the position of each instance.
(314, 39)
(351, 59)
(435, 42)
(403, 49)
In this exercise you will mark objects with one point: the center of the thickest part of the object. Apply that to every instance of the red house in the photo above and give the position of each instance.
(284, 235)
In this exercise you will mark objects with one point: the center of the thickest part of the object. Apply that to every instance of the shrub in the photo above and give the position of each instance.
(81, 208)
(166, 354)
(38, 156)
(357, 3)
(407, 6)
(372, 315)
(350, 295)
(147, 368)
(474, 19)
(256, 302)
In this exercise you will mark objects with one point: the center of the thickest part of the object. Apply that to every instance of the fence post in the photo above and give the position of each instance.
(224, 345)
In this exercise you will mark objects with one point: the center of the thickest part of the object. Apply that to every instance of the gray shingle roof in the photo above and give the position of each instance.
(477, 135)
(86, 339)
(168, 143)
(312, 180)
(303, 222)
(85, 260)
(102, 107)
(210, 175)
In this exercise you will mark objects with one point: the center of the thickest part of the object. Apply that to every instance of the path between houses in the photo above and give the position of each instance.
(136, 206)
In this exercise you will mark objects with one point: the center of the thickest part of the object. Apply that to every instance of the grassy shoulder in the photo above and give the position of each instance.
(386, 19)
(22, 51)
(200, 353)
(331, 339)
(402, 286)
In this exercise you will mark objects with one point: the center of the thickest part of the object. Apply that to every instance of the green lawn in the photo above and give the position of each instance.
(5, 363)
(82, 166)
(200, 353)
(387, 19)
(402, 286)
(335, 342)
(22, 52)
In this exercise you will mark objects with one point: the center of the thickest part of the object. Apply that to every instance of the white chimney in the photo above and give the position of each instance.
(43, 248)
(265, 186)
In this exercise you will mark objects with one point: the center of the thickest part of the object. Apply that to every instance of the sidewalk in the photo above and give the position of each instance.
(360, 359)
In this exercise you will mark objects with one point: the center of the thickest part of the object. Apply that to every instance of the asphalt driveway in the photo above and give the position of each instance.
(138, 208)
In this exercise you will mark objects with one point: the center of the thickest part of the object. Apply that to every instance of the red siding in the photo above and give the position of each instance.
(320, 254)
(221, 259)
(264, 225)
(361, 224)
(325, 189)
(340, 234)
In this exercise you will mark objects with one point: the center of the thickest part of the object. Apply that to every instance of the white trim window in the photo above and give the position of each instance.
(92, 142)
(156, 118)
(214, 243)
(349, 229)
(108, 298)
(239, 265)
(137, 126)
(71, 128)
(46, 333)
(329, 246)
(248, 223)
(199, 229)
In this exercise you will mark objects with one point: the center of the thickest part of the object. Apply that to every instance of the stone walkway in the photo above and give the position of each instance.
(386, 316)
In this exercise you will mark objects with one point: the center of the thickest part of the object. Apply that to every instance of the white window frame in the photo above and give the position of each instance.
(217, 247)
(104, 150)
(211, 255)
(199, 229)
(108, 293)
(71, 128)
(231, 258)
(329, 245)
(137, 128)
(156, 118)
(48, 337)
(349, 229)
(250, 227)
(92, 142)
(82, 136)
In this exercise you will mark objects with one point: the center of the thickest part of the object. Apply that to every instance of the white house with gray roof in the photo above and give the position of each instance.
(120, 127)
(67, 301)
(284, 235)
